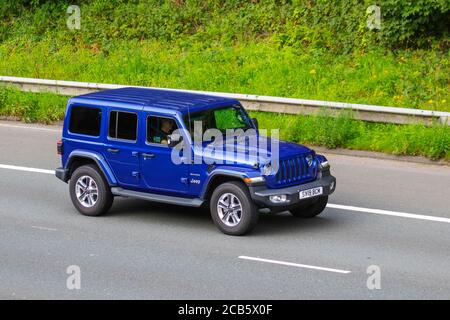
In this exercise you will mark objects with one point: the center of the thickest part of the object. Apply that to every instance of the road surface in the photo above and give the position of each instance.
(387, 218)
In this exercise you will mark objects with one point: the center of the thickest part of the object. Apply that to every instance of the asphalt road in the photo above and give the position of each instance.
(153, 251)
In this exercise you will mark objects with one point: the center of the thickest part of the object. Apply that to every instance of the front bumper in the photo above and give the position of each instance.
(62, 174)
(261, 194)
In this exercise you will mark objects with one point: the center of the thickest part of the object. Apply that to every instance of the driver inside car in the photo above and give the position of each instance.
(167, 128)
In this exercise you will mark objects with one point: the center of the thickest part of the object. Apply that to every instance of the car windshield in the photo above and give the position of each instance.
(224, 118)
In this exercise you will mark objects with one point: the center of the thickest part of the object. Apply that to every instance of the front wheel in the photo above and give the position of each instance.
(232, 209)
(310, 208)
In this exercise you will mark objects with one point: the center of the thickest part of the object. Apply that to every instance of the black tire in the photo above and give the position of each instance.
(311, 208)
(104, 198)
(249, 214)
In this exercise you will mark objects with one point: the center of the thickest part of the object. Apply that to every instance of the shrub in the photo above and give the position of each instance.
(318, 25)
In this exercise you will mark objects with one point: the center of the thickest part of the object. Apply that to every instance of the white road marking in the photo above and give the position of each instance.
(291, 264)
(389, 213)
(44, 228)
(10, 167)
(330, 205)
(28, 127)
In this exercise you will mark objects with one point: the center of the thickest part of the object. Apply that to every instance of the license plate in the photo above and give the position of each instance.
(311, 192)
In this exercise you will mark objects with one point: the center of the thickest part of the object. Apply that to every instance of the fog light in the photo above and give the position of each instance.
(278, 198)
(332, 185)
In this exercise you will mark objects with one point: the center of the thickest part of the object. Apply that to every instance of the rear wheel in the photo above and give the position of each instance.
(310, 208)
(232, 209)
(89, 191)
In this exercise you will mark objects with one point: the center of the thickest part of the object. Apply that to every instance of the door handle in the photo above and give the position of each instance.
(111, 150)
(148, 155)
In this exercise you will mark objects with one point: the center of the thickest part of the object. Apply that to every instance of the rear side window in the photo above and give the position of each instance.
(122, 125)
(85, 120)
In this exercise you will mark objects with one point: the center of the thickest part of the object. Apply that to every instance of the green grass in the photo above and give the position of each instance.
(414, 79)
(32, 107)
(303, 49)
(345, 132)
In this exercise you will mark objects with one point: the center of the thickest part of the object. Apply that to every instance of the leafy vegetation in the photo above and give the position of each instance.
(343, 131)
(312, 49)
(301, 48)
(338, 25)
(32, 107)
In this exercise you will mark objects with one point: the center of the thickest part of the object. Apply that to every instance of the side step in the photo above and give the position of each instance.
(195, 202)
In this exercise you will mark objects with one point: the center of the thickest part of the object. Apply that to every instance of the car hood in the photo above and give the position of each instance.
(232, 151)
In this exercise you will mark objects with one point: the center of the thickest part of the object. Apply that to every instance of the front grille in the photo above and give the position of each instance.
(293, 170)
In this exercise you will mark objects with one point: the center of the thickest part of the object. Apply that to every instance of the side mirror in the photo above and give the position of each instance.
(174, 139)
(255, 122)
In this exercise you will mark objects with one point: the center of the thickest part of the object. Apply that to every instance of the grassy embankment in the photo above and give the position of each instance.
(432, 142)
(259, 47)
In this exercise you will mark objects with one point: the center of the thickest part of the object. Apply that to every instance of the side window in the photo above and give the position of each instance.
(204, 119)
(85, 120)
(122, 125)
(158, 128)
(229, 118)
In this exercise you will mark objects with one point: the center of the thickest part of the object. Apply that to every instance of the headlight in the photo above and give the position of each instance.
(323, 162)
(309, 159)
(266, 170)
(324, 165)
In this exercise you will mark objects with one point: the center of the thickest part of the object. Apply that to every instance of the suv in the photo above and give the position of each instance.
(122, 142)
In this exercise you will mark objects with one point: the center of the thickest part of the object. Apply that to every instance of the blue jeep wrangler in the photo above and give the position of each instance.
(121, 143)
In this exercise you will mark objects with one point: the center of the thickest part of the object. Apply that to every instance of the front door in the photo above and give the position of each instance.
(159, 172)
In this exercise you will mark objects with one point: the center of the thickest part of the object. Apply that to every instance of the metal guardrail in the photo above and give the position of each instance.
(252, 102)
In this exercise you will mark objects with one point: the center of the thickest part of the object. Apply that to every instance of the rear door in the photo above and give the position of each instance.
(121, 146)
